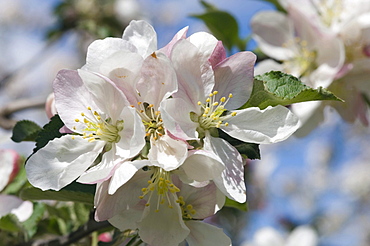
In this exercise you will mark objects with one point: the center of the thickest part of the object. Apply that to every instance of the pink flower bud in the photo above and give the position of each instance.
(9, 166)
(50, 106)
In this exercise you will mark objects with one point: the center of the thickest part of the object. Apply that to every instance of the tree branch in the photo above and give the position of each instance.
(5, 112)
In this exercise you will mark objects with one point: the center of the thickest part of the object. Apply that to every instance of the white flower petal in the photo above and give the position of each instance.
(108, 206)
(231, 180)
(124, 173)
(203, 165)
(186, 61)
(167, 152)
(235, 75)
(175, 113)
(133, 134)
(101, 171)
(69, 87)
(162, 225)
(272, 30)
(106, 95)
(61, 161)
(12, 204)
(99, 50)
(205, 234)
(142, 35)
(270, 125)
(158, 79)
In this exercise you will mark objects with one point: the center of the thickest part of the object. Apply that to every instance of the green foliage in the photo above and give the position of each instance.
(33, 193)
(10, 223)
(223, 25)
(25, 130)
(277, 88)
(30, 225)
(49, 132)
(233, 204)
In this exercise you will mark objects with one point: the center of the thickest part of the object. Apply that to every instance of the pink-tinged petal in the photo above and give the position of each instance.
(203, 165)
(50, 106)
(133, 134)
(175, 113)
(142, 35)
(267, 66)
(231, 180)
(61, 161)
(13, 205)
(218, 54)
(109, 99)
(100, 50)
(271, 30)
(186, 61)
(204, 200)
(9, 166)
(124, 173)
(270, 125)
(71, 98)
(108, 206)
(167, 153)
(206, 44)
(158, 79)
(123, 68)
(169, 228)
(205, 234)
(179, 35)
(101, 171)
(235, 75)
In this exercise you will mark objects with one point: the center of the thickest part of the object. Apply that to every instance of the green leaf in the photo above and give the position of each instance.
(49, 132)
(33, 193)
(277, 88)
(223, 25)
(10, 223)
(25, 130)
(30, 225)
(233, 204)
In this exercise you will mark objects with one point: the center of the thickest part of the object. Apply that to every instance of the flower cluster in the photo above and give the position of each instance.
(326, 44)
(144, 124)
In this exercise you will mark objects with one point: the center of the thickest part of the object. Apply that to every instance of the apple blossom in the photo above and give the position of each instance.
(210, 91)
(159, 197)
(102, 123)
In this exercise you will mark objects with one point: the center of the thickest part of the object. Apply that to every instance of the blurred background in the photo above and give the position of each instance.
(309, 191)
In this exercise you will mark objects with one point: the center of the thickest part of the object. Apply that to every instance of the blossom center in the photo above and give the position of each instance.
(98, 128)
(188, 210)
(151, 119)
(303, 61)
(330, 11)
(214, 112)
(161, 185)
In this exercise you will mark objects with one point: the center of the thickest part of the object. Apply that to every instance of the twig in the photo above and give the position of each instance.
(5, 112)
